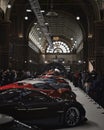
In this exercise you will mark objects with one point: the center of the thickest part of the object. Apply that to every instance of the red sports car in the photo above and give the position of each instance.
(51, 90)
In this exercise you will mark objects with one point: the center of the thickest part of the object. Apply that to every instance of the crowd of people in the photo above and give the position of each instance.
(9, 76)
(91, 83)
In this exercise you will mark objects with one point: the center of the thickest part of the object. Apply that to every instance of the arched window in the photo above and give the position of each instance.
(58, 47)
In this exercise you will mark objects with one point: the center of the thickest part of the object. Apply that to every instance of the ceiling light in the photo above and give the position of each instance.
(46, 23)
(28, 10)
(20, 35)
(26, 18)
(42, 11)
(40, 38)
(75, 41)
(79, 61)
(51, 14)
(35, 23)
(30, 61)
(38, 29)
(90, 35)
(9, 6)
(77, 18)
(71, 38)
(45, 62)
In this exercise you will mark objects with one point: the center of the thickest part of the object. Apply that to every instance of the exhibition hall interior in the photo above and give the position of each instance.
(51, 64)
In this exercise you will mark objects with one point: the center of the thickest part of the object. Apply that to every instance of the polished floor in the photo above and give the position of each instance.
(94, 112)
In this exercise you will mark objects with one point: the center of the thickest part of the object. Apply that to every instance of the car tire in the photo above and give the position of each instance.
(74, 114)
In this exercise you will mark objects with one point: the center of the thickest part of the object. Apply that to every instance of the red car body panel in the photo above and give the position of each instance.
(15, 85)
(51, 92)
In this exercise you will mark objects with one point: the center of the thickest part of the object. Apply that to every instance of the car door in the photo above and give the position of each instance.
(44, 87)
(38, 106)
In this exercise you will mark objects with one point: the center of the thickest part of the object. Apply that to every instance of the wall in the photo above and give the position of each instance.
(99, 47)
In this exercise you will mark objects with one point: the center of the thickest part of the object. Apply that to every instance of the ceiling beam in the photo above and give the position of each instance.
(37, 11)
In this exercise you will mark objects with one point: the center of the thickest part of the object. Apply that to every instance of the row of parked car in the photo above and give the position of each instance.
(41, 102)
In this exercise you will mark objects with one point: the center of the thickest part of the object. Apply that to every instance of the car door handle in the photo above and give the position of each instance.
(38, 108)
(21, 109)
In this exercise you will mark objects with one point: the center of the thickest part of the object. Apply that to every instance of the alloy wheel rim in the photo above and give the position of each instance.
(72, 116)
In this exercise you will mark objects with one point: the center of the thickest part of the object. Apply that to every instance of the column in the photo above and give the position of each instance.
(4, 44)
(99, 47)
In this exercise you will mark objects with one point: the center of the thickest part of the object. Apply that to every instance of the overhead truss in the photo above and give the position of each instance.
(37, 11)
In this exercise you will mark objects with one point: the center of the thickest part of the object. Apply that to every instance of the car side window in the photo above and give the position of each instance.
(34, 98)
(8, 96)
(42, 86)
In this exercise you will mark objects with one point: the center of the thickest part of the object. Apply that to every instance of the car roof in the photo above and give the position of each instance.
(32, 81)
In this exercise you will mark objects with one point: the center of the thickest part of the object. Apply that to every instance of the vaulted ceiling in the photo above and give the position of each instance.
(64, 26)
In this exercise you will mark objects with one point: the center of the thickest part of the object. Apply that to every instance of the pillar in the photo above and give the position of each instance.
(99, 47)
(4, 44)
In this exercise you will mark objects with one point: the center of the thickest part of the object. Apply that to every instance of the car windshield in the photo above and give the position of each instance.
(36, 97)
(42, 86)
(50, 80)
(9, 96)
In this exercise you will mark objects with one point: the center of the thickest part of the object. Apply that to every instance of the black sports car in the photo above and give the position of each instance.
(35, 107)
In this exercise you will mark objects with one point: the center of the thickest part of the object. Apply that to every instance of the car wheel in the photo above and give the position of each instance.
(72, 116)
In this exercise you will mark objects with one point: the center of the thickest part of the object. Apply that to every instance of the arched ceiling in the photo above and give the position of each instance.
(64, 25)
